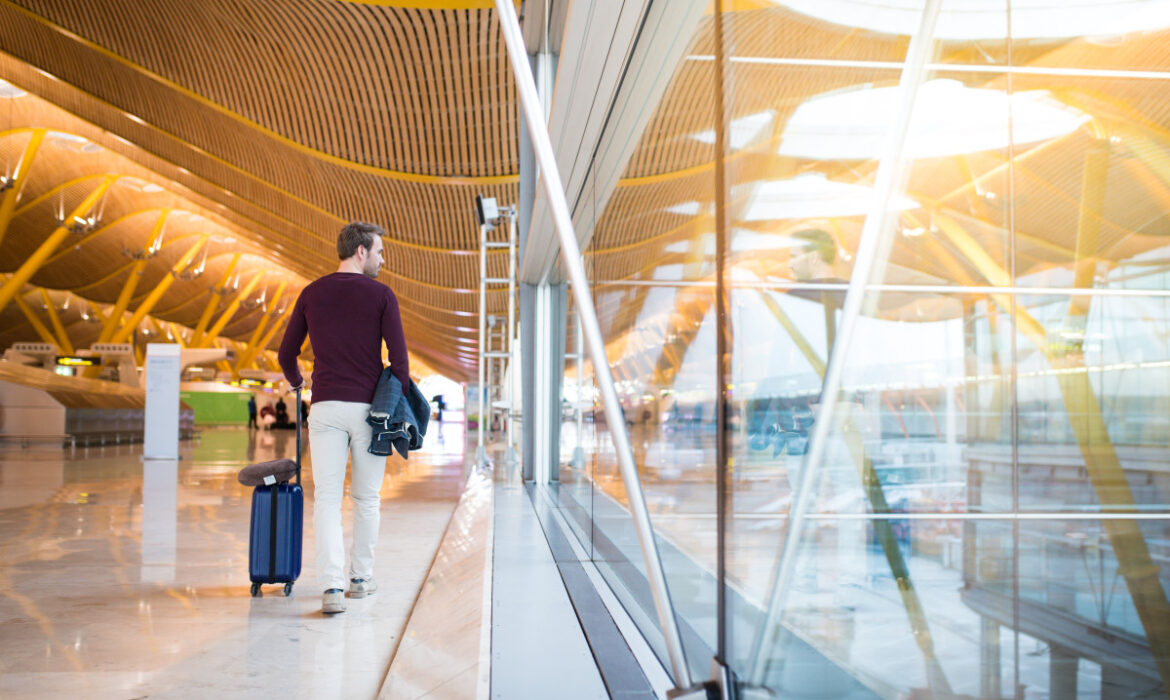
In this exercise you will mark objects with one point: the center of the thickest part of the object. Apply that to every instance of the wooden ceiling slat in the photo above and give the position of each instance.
(391, 55)
(460, 68)
(445, 114)
(473, 61)
(408, 96)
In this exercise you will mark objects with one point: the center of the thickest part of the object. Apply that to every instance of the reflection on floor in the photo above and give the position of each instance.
(117, 585)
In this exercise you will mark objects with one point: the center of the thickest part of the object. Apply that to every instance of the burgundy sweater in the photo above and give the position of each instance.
(347, 316)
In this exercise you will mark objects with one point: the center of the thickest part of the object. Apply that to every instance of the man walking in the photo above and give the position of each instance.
(347, 315)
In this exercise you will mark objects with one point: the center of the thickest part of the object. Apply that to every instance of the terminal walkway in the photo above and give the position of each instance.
(90, 607)
(125, 579)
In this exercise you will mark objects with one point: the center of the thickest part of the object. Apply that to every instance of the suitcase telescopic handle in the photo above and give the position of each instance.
(300, 410)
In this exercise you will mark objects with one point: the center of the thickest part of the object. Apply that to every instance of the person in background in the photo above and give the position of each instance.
(267, 416)
(252, 413)
(281, 413)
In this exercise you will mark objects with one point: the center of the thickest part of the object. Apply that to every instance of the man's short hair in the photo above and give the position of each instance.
(818, 240)
(354, 234)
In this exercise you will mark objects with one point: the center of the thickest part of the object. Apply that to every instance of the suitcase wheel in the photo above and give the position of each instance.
(256, 590)
(288, 589)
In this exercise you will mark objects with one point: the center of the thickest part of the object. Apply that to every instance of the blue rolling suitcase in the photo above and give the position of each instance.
(278, 509)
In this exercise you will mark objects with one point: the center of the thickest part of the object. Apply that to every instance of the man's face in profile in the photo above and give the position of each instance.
(813, 255)
(806, 264)
(373, 263)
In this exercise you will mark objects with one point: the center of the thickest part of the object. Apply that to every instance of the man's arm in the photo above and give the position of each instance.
(290, 346)
(395, 341)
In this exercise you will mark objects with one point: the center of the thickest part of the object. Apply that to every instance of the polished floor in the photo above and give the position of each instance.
(126, 579)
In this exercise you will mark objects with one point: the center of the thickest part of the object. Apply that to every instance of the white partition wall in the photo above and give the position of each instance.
(163, 368)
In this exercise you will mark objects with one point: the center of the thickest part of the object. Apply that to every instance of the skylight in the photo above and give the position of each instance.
(685, 208)
(70, 138)
(73, 142)
(978, 19)
(808, 196)
(949, 119)
(743, 240)
(743, 131)
(7, 89)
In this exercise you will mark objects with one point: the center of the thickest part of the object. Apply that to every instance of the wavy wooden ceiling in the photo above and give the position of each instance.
(279, 121)
(285, 120)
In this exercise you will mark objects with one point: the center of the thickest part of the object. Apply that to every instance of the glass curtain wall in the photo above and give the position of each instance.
(981, 493)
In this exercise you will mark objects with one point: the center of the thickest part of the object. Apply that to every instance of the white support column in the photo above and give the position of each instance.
(161, 434)
(541, 468)
(510, 453)
(579, 450)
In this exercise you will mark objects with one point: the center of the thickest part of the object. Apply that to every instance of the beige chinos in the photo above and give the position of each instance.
(338, 429)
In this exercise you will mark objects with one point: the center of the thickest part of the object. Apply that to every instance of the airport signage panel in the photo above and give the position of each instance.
(77, 361)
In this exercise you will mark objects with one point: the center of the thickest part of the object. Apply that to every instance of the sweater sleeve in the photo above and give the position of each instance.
(395, 340)
(290, 346)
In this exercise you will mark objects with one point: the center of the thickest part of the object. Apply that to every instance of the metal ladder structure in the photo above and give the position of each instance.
(496, 334)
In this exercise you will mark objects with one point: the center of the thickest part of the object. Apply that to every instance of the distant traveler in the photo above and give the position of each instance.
(252, 413)
(281, 414)
(268, 416)
(347, 315)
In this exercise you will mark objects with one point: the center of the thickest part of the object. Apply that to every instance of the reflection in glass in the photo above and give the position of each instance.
(949, 119)
(847, 629)
(990, 515)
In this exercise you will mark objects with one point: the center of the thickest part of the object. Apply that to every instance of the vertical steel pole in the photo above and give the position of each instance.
(571, 256)
(480, 450)
(492, 367)
(510, 453)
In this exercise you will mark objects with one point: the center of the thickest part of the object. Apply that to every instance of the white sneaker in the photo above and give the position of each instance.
(333, 601)
(362, 587)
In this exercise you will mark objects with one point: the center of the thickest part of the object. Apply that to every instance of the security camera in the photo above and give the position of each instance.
(486, 209)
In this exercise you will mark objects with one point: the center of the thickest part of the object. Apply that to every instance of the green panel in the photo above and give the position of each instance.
(217, 408)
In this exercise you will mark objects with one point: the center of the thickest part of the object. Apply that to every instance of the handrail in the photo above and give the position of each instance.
(542, 147)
